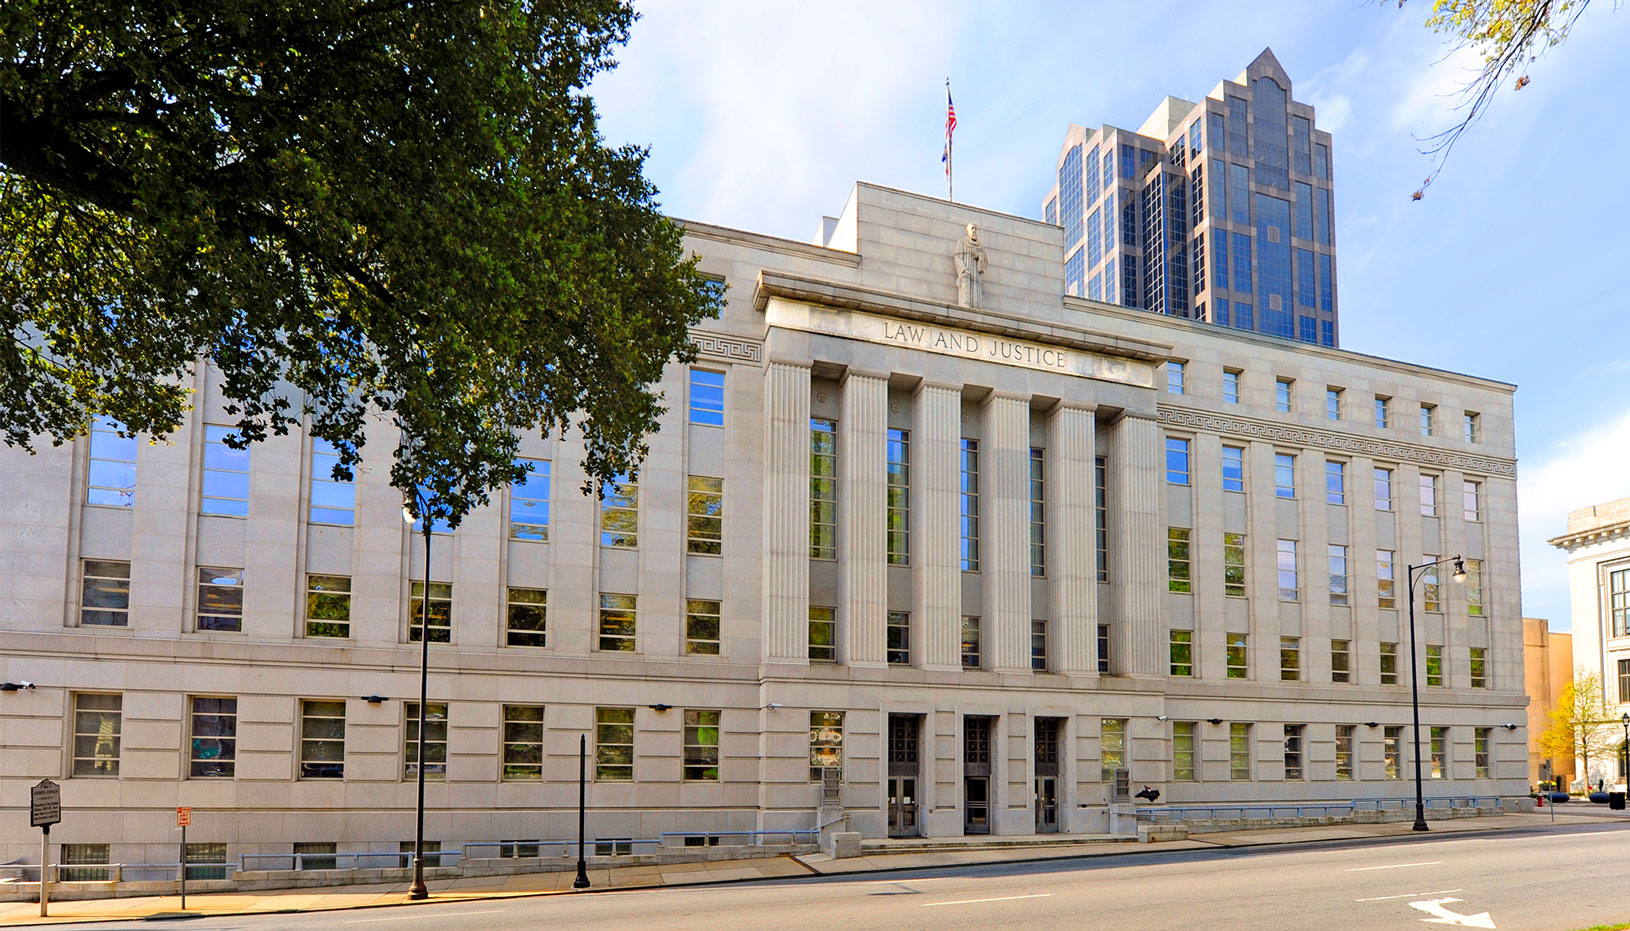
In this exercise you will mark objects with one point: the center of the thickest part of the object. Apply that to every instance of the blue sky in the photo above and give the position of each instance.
(761, 116)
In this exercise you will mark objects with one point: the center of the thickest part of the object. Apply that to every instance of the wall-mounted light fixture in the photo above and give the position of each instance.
(772, 706)
(1214, 720)
(660, 707)
(373, 699)
(1509, 727)
(1372, 723)
(1162, 718)
(15, 686)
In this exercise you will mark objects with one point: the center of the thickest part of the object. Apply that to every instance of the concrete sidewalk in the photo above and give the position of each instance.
(678, 874)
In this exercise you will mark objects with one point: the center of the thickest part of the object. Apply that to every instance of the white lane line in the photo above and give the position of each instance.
(1408, 895)
(1393, 866)
(363, 921)
(1000, 898)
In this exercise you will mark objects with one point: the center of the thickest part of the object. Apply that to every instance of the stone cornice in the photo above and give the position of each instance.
(1249, 428)
(774, 244)
(1602, 534)
(853, 297)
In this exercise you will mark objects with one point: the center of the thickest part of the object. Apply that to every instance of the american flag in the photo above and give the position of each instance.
(950, 126)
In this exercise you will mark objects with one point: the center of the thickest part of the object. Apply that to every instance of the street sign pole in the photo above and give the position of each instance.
(183, 817)
(44, 810)
(45, 867)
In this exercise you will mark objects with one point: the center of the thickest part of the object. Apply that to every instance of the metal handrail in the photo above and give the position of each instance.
(298, 861)
(1244, 811)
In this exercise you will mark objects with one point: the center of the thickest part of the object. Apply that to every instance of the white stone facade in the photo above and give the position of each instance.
(864, 331)
(1598, 548)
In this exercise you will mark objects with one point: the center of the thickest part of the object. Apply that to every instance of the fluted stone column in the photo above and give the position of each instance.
(786, 513)
(862, 518)
(1004, 525)
(936, 571)
(1069, 536)
(1138, 541)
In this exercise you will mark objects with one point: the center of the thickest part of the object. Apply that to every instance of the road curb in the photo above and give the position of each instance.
(1130, 850)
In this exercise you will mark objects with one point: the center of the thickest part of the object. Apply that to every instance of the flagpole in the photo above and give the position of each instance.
(950, 190)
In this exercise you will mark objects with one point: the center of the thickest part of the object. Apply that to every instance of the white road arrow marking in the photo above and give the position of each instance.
(1445, 917)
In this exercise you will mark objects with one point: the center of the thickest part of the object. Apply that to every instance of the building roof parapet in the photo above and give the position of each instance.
(1585, 536)
(762, 241)
(1288, 345)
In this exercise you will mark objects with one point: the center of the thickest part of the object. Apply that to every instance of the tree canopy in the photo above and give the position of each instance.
(1508, 35)
(353, 208)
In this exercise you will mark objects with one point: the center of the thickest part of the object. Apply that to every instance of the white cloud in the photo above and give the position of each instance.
(1584, 469)
(1431, 99)
(779, 101)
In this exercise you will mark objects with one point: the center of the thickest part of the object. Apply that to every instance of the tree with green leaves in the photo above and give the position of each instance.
(1508, 35)
(1579, 724)
(353, 209)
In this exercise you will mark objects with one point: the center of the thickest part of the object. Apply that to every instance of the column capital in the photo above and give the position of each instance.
(926, 385)
(1085, 407)
(853, 372)
(787, 363)
(996, 396)
(1138, 417)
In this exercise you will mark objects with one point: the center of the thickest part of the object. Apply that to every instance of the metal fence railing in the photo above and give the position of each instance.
(1172, 814)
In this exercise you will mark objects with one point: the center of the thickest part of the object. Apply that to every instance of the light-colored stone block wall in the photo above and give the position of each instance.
(792, 344)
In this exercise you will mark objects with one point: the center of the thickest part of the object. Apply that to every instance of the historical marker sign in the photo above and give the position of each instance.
(45, 804)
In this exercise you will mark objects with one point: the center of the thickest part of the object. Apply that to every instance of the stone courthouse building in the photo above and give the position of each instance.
(914, 518)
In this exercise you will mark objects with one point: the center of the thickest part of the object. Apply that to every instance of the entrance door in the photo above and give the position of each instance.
(1047, 775)
(976, 775)
(903, 775)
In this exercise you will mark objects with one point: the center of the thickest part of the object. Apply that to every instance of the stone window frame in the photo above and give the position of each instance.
(328, 607)
(526, 617)
(435, 770)
(697, 613)
(101, 576)
(92, 712)
(524, 522)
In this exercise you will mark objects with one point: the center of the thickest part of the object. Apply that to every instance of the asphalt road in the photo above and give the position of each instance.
(1566, 878)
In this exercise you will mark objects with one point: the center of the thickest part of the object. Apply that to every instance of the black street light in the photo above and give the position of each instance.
(582, 880)
(1414, 679)
(1624, 768)
(418, 890)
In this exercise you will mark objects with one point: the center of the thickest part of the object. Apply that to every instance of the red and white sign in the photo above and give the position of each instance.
(183, 817)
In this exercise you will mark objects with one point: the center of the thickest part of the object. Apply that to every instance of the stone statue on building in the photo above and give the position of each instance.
(970, 267)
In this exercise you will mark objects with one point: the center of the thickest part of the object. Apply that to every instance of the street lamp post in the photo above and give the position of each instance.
(1414, 678)
(1624, 750)
(418, 890)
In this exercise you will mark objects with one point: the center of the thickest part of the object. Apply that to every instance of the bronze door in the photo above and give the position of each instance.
(903, 773)
(1047, 773)
(976, 775)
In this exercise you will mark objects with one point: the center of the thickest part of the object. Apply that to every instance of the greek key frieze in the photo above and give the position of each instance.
(1341, 442)
(732, 348)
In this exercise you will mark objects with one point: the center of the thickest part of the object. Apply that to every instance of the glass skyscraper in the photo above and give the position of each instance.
(1217, 211)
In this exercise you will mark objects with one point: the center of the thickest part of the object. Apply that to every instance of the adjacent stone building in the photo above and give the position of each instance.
(981, 555)
(1598, 548)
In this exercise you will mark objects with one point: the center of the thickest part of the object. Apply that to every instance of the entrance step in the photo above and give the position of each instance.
(884, 845)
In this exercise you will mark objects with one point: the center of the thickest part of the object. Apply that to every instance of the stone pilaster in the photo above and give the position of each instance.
(862, 518)
(1138, 541)
(1004, 526)
(786, 513)
(1068, 533)
(936, 574)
